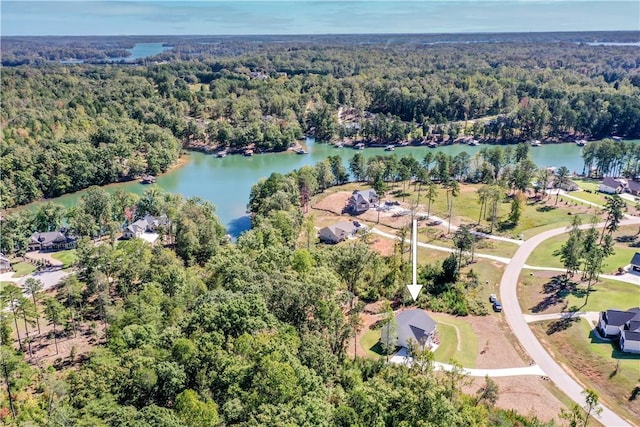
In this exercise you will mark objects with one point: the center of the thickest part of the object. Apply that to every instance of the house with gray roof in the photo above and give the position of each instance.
(611, 185)
(339, 231)
(51, 241)
(414, 326)
(361, 201)
(622, 325)
(148, 224)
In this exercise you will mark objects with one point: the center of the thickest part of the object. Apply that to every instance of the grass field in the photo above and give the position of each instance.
(448, 349)
(448, 330)
(543, 255)
(68, 257)
(535, 218)
(22, 268)
(534, 299)
(597, 364)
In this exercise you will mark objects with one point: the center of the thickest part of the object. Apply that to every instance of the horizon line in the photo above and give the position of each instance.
(328, 34)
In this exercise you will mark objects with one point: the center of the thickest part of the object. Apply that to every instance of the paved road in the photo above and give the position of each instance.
(518, 324)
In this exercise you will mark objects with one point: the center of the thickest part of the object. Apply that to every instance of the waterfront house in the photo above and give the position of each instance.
(361, 201)
(611, 185)
(51, 241)
(145, 227)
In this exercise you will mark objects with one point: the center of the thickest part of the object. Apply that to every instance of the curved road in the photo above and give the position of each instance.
(518, 324)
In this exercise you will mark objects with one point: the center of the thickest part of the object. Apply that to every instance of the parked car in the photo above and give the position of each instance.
(497, 306)
(493, 298)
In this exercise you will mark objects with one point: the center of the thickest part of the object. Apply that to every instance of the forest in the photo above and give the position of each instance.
(200, 332)
(67, 127)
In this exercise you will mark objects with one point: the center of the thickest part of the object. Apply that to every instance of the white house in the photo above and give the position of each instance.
(148, 224)
(624, 325)
(611, 185)
(339, 231)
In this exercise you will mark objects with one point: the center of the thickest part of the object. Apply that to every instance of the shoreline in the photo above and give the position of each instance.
(182, 161)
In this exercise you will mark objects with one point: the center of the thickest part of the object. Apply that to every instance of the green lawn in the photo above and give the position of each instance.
(597, 198)
(587, 184)
(604, 295)
(22, 268)
(543, 255)
(535, 218)
(68, 257)
(448, 348)
(598, 364)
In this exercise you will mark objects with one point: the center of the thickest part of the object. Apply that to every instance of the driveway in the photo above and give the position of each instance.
(49, 277)
(402, 358)
(518, 324)
(503, 260)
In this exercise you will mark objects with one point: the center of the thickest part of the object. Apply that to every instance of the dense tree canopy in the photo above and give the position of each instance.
(66, 127)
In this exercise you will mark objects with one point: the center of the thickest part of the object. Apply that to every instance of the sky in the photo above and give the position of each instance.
(82, 17)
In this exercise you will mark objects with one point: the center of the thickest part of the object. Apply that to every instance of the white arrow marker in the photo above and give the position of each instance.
(414, 289)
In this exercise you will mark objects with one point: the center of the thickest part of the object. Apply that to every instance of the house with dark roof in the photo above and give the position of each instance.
(339, 231)
(414, 326)
(51, 241)
(635, 262)
(633, 187)
(362, 201)
(622, 325)
(148, 224)
(611, 185)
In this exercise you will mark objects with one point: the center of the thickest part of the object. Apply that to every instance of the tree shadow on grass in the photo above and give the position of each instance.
(506, 225)
(556, 291)
(546, 208)
(561, 325)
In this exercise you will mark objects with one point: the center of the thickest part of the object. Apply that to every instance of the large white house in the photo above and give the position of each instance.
(624, 325)
(148, 225)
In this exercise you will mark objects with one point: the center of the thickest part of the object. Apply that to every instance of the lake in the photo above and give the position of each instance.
(139, 50)
(226, 182)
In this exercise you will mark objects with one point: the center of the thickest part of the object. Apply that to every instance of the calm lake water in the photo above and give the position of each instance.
(226, 182)
(139, 50)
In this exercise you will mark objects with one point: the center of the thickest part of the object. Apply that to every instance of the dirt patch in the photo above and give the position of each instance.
(526, 395)
(43, 349)
(333, 203)
(381, 245)
(497, 347)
